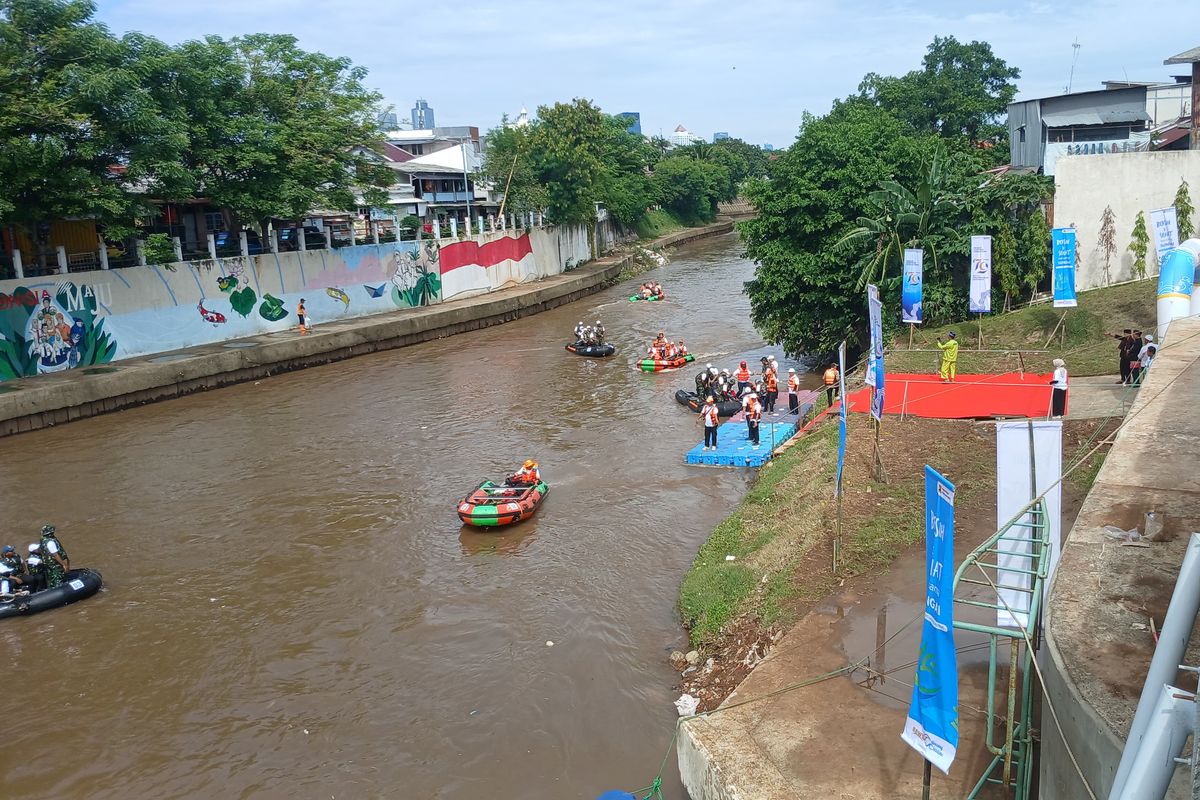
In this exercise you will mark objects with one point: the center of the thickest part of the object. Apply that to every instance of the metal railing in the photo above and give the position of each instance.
(1009, 730)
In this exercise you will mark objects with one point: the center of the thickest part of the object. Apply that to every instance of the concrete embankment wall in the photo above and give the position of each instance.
(1098, 644)
(67, 394)
(1085, 185)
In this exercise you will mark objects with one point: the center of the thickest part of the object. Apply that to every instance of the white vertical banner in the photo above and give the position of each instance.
(1015, 488)
(1164, 223)
(981, 274)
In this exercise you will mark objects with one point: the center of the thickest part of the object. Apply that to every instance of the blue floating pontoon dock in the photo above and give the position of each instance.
(733, 441)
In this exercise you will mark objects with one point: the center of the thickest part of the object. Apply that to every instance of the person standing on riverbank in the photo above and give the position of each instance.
(793, 387)
(830, 379)
(1058, 396)
(949, 357)
(753, 418)
(302, 314)
(711, 418)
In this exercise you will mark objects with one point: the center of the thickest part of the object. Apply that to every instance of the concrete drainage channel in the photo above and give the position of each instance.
(37, 404)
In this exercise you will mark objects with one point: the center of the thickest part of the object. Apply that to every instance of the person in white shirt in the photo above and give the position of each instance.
(1058, 398)
(1142, 361)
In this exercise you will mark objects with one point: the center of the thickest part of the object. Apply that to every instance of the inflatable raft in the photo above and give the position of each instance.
(692, 401)
(490, 505)
(658, 364)
(78, 585)
(592, 350)
(651, 299)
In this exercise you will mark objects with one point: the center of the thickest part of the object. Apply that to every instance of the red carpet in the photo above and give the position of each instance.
(970, 396)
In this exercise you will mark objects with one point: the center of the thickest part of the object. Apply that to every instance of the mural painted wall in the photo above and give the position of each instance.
(59, 322)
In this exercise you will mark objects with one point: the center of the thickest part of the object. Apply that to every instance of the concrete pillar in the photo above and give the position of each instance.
(511, 222)
(18, 266)
(437, 229)
(480, 226)
(274, 241)
(302, 244)
(374, 232)
(454, 227)
(492, 222)
(328, 238)
(503, 223)
(141, 254)
(61, 252)
(243, 245)
(467, 223)
(212, 246)
(178, 245)
(102, 252)
(353, 238)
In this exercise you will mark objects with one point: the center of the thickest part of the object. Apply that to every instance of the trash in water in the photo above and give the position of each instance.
(687, 705)
(1113, 532)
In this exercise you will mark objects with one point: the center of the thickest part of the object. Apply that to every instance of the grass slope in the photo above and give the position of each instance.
(1081, 340)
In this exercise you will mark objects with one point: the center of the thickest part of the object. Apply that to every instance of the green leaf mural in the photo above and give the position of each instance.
(421, 269)
(272, 309)
(243, 301)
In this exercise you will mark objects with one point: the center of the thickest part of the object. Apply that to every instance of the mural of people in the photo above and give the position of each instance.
(42, 332)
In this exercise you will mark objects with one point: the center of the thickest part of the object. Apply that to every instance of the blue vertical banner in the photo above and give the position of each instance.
(837, 486)
(1062, 243)
(932, 724)
(874, 376)
(912, 291)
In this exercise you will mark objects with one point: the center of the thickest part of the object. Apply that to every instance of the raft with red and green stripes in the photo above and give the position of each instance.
(490, 505)
(658, 364)
(651, 299)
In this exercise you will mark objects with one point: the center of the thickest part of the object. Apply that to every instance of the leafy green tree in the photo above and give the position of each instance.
(926, 216)
(1106, 241)
(1139, 245)
(801, 295)
(962, 90)
(569, 153)
(1004, 262)
(275, 131)
(508, 165)
(689, 187)
(1034, 251)
(79, 121)
(1185, 212)
(751, 159)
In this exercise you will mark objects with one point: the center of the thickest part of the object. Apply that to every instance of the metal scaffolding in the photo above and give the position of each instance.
(1010, 736)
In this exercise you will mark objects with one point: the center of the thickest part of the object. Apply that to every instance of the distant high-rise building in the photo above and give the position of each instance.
(682, 137)
(719, 135)
(768, 147)
(634, 118)
(388, 121)
(422, 116)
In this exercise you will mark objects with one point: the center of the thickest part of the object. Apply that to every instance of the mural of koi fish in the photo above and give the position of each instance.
(338, 294)
(215, 317)
(375, 291)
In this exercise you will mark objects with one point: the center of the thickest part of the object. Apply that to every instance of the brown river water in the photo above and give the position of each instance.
(292, 609)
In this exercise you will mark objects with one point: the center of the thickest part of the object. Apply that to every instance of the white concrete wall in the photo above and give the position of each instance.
(1129, 182)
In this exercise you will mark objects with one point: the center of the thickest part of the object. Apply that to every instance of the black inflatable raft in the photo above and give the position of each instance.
(592, 350)
(692, 401)
(79, 585)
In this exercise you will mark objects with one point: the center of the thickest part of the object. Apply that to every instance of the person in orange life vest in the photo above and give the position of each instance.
(742, 376)
(831, 383)
(669, 351)
(680, 350)
(302, 314)
(771, 383)
(710, 418)
(753, 417)
(527, 475)
(793, 387)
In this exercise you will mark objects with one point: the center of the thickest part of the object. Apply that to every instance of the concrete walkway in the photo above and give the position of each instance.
(1099, 396)
(36, 402)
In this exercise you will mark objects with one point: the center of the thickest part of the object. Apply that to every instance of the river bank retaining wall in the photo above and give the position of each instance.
(489, 280)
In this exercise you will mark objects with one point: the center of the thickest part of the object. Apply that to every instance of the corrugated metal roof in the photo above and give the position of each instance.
(1186, 57)
(1094, 116)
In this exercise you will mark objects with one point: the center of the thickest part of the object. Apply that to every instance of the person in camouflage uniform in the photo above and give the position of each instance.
(54, 558)
(10, 558)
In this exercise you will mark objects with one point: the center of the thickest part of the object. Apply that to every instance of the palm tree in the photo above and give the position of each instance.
(905, 218)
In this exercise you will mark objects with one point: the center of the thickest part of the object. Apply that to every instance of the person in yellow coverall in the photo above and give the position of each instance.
(949, 357)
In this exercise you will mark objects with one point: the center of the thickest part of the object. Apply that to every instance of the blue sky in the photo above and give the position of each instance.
(749, 68)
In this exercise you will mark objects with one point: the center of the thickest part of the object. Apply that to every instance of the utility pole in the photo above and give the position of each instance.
(466, 180)
(1075, 58)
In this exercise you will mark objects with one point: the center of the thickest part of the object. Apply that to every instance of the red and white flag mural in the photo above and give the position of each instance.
(473, 267)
